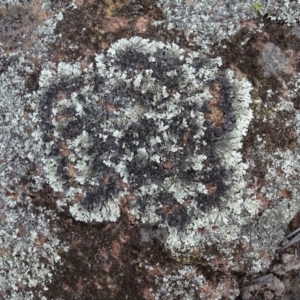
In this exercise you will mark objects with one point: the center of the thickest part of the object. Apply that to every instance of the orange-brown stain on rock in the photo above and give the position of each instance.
(21, 286)
(147, 294)
(116, 249)
(142, 23)
(64, 151)
(71, 170)
(113, 24)
(211, 188)
(157, 271)
(168, 165)
(216, 116)
(264, 202)
(21, 230)
(3, 251)
(285, 194)
(77, 198)
(264, 255)
(186, 136)
(41, 239)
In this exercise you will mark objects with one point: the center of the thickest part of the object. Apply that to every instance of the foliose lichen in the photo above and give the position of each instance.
(153, 129)
(285, 11)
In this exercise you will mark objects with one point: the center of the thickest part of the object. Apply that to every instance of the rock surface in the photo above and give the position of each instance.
(149, 149)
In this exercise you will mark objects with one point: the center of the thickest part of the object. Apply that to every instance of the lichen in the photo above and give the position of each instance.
(285, 11)
(193, 285)
(153, 131)
(207, 23)
(187, 157)
(28, 250)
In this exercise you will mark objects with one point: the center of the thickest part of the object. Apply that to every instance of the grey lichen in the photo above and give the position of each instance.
(146, 130)
(28, 251)
(155, 129)
(193, 286)
(138, 120)
(207, 22)
(15, 139)
(286, 11)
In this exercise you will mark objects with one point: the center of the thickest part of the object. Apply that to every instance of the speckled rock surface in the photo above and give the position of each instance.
(149, 149)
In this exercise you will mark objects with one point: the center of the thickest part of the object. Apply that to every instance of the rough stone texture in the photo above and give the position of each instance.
(149, 149)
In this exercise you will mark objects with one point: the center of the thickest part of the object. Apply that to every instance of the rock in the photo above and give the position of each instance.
(148, 149)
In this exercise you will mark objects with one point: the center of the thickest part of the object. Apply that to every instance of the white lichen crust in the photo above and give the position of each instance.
(208, 23)
(286, 11)
(193, 285)
(149, 131)
(28, 251)
(281, 188)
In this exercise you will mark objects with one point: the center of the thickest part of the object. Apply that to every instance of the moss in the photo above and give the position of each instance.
(257, 7)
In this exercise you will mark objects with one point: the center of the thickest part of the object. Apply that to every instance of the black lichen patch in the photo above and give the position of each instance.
(12, 24)
(296, 100)
(72, 129)
(99, 196)
(246, 56)
(172, 212)
(18, 24)
(105, 262)
(95, 25)
(50, 96)
(132, 59)
(32, 81)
